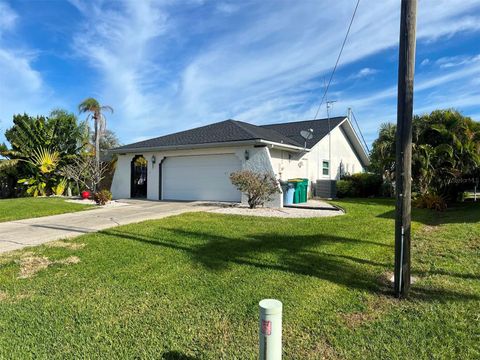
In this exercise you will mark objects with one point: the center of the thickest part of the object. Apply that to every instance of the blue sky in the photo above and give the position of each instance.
(166, 66)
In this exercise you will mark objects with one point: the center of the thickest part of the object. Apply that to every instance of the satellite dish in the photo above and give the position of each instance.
(307, 134)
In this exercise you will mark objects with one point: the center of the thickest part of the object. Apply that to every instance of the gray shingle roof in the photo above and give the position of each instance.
(320, 127)
(233, 130)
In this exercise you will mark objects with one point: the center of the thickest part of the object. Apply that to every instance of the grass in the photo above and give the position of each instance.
(25, 208)
(187, 287)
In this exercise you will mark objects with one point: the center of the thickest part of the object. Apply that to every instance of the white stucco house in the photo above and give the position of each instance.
(196, 164)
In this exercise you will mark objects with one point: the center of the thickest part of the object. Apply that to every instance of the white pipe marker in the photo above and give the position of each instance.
(270, 329)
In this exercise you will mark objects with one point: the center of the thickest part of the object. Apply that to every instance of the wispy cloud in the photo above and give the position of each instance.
(166, 65)
(258, 71)
(8, 17)
(425, 62)
(119, 43)
(364, 73)
(452, 89)
(452, 61)
(22, 88)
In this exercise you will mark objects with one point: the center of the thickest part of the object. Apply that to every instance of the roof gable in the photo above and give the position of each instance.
(320, 127)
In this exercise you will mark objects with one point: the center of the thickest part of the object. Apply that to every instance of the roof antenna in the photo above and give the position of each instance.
(329, 104)
(306, 135)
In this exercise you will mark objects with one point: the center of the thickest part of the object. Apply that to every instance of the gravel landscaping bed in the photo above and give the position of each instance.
(277, 212)
(112, 203)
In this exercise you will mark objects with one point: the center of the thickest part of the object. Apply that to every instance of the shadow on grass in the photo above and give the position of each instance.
(302, 255)
(175, 355)
(460, 213)
(367, 201)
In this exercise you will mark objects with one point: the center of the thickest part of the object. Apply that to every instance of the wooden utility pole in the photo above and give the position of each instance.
(403, 168)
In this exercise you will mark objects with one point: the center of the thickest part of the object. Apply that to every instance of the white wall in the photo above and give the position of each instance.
(309, 164)
(342, 152)
(121, 178)
(288, 165)
(259, 160)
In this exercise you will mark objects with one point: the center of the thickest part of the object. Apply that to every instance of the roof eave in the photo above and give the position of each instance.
(284, 146)
(207, 145)
(357, 143)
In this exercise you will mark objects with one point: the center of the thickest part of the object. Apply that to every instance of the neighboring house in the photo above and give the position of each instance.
(196, 164)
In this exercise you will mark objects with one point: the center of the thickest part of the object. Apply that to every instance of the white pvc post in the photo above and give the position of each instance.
(270, 329)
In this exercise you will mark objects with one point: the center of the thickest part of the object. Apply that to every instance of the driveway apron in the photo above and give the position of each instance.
(18, 234)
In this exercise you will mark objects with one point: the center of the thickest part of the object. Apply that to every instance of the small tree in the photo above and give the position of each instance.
(86, 171)
(259, 187)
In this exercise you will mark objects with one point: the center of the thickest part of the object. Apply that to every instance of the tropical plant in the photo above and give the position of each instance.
(259, 187)
(58, 132)
(445, 149)
(102, 197)
(59, 135)
(60, 188)
(429, 161)
(34, 186)
(430, 201)
(45, 160)
(382, 156)
(96, 112)
(8, 181)
(44, 180)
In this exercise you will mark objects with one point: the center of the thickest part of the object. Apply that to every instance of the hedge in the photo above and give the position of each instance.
(360, 185)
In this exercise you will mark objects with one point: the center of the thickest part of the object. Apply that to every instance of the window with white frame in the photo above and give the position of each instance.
(326, 167)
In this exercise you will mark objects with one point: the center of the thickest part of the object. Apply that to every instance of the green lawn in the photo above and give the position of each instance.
(24, 208)
(187, 287)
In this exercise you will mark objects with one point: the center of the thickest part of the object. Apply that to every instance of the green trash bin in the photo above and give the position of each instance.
(305, 190)
(301, 190)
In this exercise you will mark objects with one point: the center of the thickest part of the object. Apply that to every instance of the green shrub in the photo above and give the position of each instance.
(259, 187)
(344, 188)
(360, 185)
(430, 201)
(102, 197)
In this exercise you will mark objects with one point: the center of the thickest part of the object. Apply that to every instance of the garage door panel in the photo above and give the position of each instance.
(204, 177)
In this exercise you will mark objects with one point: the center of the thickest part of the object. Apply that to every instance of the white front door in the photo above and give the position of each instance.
(201, 177)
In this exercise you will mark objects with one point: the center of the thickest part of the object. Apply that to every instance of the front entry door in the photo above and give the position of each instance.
(139, 177)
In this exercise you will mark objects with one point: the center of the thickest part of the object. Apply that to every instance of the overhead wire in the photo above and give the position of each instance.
(360, 131)
(338, 60)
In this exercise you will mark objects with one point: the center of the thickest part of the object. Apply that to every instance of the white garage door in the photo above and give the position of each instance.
(203, 177)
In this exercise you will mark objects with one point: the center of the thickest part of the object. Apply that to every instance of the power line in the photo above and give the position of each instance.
(338, 60)
(360, 131)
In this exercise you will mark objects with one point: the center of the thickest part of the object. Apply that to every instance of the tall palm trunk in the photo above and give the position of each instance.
(96, 119)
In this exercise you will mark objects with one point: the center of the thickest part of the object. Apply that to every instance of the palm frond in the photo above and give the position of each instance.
(106, 107)
(46, 160)
(9, 163)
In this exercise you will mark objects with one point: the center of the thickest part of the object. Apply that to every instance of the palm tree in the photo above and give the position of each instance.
(383, 153)
(96, 110)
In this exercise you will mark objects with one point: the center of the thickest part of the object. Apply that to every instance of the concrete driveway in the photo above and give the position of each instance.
(31, 232)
